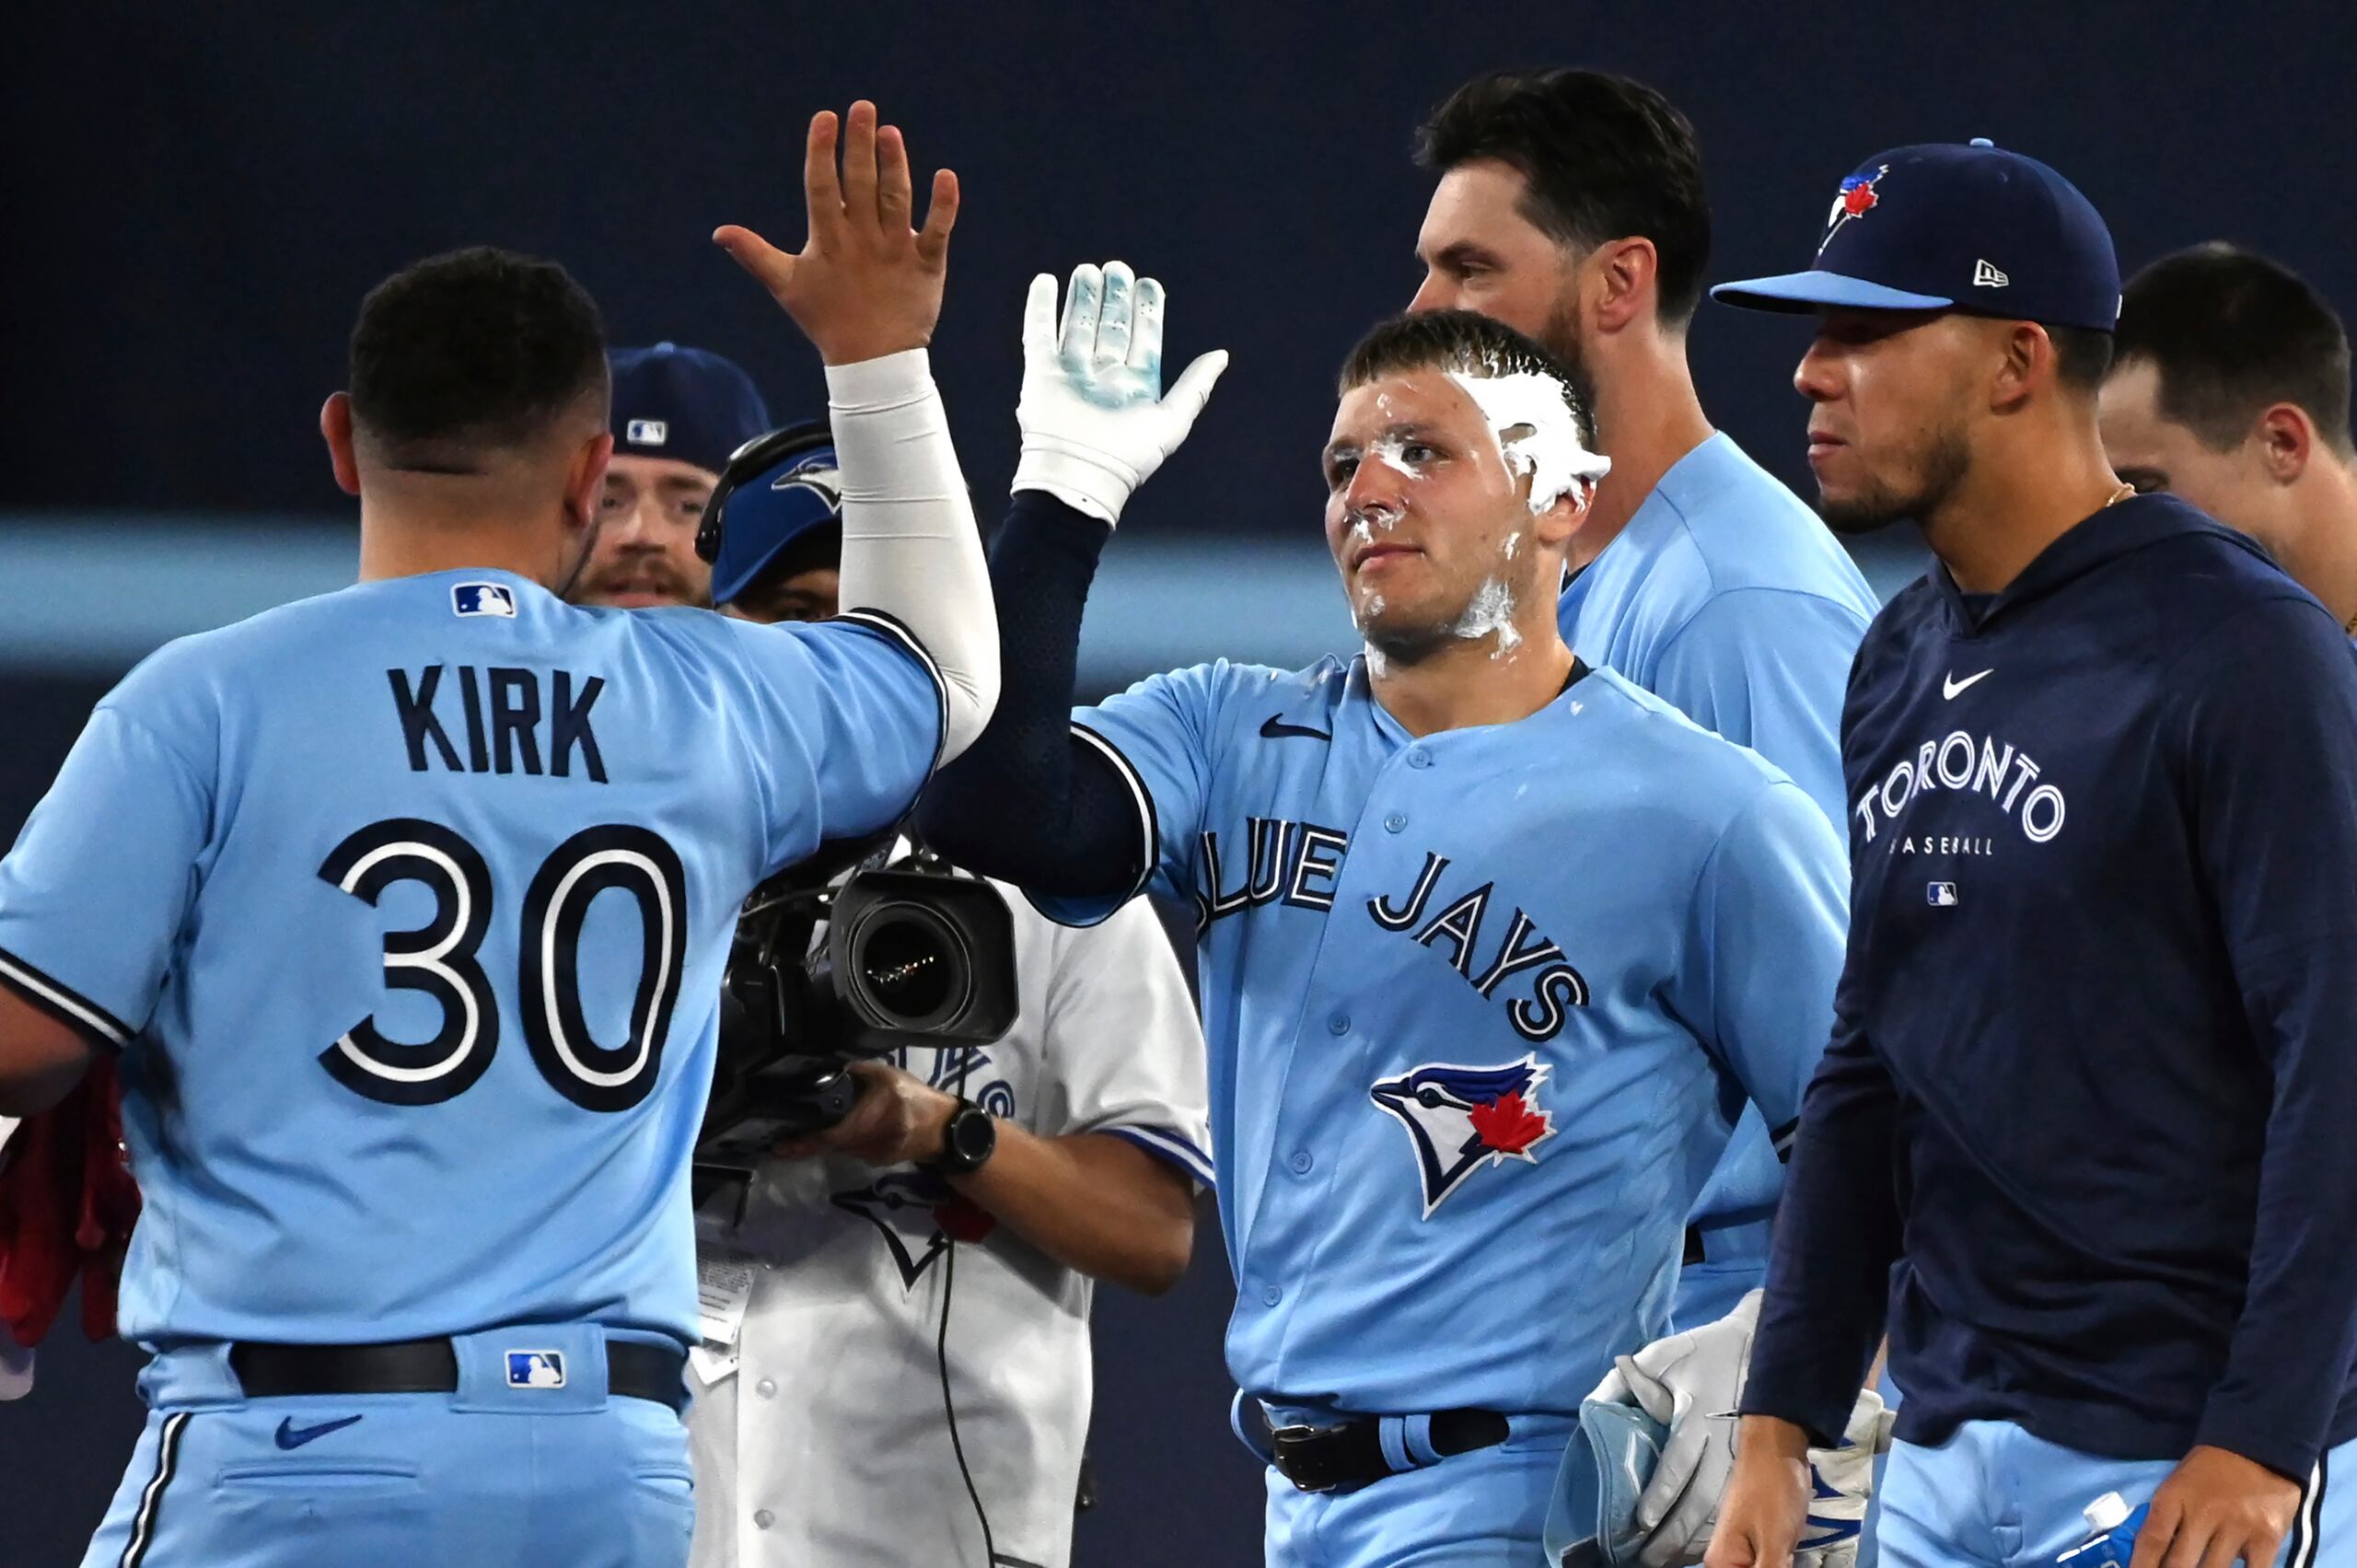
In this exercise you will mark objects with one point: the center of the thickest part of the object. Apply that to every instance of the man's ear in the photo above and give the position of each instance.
(1628, 278)
(2027, 363)
(584, 482)
(1555, 527)
(2287, 439)
(335, 428)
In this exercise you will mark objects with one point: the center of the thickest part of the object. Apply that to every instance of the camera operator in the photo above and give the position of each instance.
(897, 1309)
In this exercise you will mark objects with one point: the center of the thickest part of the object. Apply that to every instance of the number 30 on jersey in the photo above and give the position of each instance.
(439, 959)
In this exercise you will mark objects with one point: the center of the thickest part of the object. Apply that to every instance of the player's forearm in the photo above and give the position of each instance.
(40, 1058)
(1836, 1235)
(911, 549)
(1092, 1202)
(1023, 804)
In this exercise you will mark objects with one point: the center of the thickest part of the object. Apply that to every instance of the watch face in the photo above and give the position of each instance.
(972, 1136)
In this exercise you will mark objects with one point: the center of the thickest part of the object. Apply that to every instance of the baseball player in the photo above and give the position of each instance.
(833, 1312)
(1571, 205)
(2231, 389)
(405, 908)
(677, 414)
(1493, 944)
(2098, 1011)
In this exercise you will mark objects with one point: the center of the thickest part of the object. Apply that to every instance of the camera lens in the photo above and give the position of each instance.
(912, 967)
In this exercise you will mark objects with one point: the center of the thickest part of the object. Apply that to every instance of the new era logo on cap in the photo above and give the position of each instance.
(1985, 276)
(647, 431)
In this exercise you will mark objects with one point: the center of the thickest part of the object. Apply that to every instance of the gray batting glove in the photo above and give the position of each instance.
(1692, 1383)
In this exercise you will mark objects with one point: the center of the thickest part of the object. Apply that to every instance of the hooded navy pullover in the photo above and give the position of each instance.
(2093, 1083)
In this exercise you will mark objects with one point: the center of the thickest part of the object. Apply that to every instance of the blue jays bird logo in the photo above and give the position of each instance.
(919, 1215)
(1459, 1118)
(819, 476)
(1856, 198)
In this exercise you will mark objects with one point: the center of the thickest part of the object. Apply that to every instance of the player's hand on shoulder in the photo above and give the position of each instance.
(1096, 421)
(2214, 1508)
(865, 284)
(896, 1119)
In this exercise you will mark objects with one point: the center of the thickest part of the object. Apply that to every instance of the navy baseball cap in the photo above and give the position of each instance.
(686, 404)
(777, 490)
(1942, 226)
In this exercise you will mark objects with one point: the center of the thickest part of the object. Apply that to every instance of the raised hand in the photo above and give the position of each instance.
(865, 284)
(1096, 423)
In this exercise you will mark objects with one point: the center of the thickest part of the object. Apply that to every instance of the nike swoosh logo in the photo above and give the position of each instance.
(1950, 685)
(1275, 729)
(293, 1436)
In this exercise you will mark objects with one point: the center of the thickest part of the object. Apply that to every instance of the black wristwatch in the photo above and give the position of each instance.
(967, 1140)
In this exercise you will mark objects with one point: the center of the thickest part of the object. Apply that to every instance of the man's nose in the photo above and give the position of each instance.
(1376, 490)
(1438, 292)
(1817, 377)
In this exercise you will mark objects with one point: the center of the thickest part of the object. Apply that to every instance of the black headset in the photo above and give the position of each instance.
(750, 462)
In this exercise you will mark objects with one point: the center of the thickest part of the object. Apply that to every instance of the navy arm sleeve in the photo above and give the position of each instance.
(1836, 1235)
(1029, 802)
(2269, 706)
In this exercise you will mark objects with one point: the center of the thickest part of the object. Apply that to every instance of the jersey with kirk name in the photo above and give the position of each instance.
(1482, 1006)
(406, 906)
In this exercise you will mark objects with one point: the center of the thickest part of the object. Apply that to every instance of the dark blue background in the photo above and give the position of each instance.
(191, 206)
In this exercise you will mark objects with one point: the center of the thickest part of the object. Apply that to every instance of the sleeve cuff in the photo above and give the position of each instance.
(896, 631)
(891, 381)
(2261, 1438)
(64, 1004)
(1170, 1148)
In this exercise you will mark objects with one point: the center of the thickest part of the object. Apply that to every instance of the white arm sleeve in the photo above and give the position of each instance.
(911, 549)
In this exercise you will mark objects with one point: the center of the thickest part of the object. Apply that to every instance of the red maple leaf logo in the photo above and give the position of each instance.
(1507, 1124)
(959, 1218)
(1857, 199)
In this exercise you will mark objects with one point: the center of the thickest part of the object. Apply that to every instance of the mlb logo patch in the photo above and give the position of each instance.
(647, 431)
(482, 599)
(1940, 895)
(535, 1369)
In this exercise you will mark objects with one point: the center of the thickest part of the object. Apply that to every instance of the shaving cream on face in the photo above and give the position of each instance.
(1536, 436)
(1491, 611)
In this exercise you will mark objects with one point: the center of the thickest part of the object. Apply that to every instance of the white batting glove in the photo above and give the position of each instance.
(1692, 1383)
(1095, 423)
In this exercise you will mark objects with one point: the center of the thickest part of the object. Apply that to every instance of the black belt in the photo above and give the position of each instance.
(430, 1366)
(1347, 1456)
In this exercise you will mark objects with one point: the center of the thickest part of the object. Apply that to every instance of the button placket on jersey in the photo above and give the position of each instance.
(1326, 1024)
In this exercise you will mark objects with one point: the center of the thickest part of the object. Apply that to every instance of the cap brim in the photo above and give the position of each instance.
(1807, 291)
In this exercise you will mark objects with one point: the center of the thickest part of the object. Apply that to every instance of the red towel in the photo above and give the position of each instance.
(67, 1205)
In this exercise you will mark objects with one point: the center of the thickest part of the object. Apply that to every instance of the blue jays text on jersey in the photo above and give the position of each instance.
(1482, 1006)
(2098, 1010)
(451, 867)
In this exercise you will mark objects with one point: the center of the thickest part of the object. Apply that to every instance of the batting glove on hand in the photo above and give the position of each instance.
(1096, 423)
(1692, 1383)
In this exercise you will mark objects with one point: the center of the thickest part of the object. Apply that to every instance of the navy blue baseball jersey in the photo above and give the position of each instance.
(406, 906)
(1482, 1006)
(2097, 1037)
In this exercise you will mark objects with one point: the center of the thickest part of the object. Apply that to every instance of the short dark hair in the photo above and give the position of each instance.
(2231, 332)
(2082, 356)
(1464, 342)
(472, 350)
(1605, 159)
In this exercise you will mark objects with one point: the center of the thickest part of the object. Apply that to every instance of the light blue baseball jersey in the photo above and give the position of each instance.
(407, 906)
(1481, 1008)
(1729, 599)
